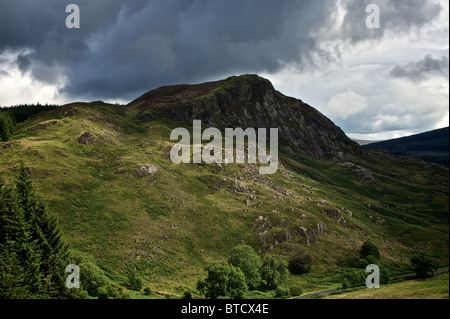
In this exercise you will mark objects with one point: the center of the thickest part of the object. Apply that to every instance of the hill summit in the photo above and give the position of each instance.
(249, 101)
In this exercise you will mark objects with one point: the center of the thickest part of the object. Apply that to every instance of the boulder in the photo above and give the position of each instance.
(87, 138)
(147, 170)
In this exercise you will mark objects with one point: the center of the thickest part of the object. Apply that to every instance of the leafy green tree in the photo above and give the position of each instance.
(369, 249)
(424, 264)
(134, 279)
(245, 258)
(223, 280)
(274, 271)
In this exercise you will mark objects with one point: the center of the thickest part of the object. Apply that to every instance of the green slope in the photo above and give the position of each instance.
(172, 224)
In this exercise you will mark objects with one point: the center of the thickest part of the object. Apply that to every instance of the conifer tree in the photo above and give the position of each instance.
(6, 126)
(31, 240)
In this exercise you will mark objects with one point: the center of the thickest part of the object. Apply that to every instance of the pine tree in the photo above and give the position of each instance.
(31, 241)
(45, 233)
(12, 276)
(7, 125)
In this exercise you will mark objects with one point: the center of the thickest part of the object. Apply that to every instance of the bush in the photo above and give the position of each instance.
(147, 291)
(369, 249)
(274, 271)
(364, 262)
(281, 292)
(245, 258)
(353, 278)
(92, 278)
(296, 290)
(187, 295)
(385, 274)
(300, 264)
(112, 291)
(223, 279)
(424, 264)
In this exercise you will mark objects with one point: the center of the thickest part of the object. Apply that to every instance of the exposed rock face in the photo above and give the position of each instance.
(310, 235)
(249, 101)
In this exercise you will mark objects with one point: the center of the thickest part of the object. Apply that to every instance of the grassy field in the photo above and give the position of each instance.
(436, 287)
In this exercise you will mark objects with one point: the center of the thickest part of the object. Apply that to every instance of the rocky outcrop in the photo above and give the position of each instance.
(310, 235)
(87, 138)
(249, 101)
(147, 170)
(335, 214)
(43, 126)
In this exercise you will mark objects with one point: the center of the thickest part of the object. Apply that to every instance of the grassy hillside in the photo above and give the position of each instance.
(172, 224)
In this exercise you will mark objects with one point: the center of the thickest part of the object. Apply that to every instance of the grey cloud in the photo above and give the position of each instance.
(125, 48)
(395, 16)
(419, 70)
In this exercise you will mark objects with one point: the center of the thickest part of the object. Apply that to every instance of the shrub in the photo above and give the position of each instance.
(364, 262)
(245, 258)
(187, 295)
(385, 274)
(147, 291)
(300, 264)
(296, 290)
(223, 279)
(274, 271)
(281, 292)
(424, 264)
(112, 291)
(92, 278)
(369, 249)
(353, 278)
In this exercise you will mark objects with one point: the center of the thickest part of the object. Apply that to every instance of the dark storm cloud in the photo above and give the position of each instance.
(420, 70)
(125, 48)
(396, 16)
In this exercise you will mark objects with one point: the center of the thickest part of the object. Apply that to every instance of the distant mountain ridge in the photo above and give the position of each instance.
(431, 146)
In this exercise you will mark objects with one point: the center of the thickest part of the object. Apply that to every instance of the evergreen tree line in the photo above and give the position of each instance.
(32, 255)
(9, 116)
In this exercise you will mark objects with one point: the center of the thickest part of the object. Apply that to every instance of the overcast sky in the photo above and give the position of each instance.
(374, 83)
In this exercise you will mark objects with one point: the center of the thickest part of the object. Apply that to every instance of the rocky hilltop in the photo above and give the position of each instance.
(249, 101)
